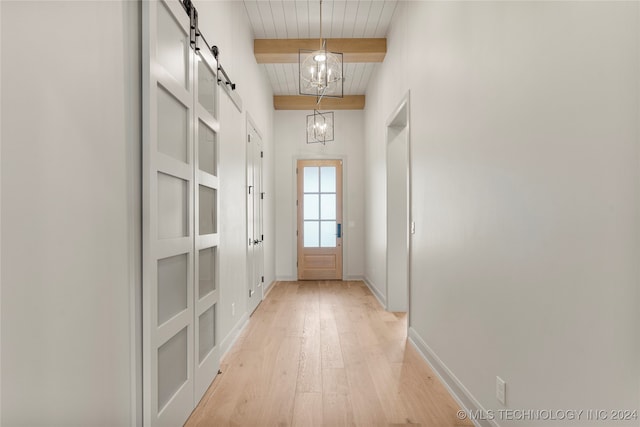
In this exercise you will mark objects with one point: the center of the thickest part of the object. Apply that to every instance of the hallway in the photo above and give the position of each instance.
(324, 353)
(135, 159)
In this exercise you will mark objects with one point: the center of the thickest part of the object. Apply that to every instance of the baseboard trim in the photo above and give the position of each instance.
(286, 279)
(267, 289)
(459, 392)
(233, 335)
(382, 299)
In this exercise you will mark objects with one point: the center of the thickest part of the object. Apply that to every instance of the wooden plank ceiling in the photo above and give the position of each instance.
(300, 19)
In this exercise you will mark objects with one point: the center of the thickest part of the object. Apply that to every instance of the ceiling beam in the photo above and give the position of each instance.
(296, 102)
(281, 51)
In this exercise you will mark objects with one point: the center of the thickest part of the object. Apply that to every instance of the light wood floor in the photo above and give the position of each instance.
(325, 354)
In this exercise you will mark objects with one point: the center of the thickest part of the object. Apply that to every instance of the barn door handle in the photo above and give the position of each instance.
(339, 233)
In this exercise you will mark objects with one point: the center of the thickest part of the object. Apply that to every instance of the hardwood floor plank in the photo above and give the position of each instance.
(307, 410)
(278, 401)
(365, 402)
(253, 373)
(331, 353)
(309, 372)
(385, 381)
(334, 380)
(336, 410)
(325, 353)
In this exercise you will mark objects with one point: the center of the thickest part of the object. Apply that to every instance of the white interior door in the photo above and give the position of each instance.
(255, 236)
(180, 184)
(206, 125)
(168, 315)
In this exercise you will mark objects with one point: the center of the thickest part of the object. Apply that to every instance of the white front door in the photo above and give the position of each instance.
(255, 236)
(180, 226)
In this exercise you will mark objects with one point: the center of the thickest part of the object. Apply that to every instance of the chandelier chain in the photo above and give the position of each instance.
(321, 46)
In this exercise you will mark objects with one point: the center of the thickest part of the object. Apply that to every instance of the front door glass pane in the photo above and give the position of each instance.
(311, 234)
(311, 206)
(311, 180)
(328, 234)
(328, 179)
(327, 206)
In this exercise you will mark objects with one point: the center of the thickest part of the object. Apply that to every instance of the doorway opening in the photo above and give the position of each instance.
(399, 224)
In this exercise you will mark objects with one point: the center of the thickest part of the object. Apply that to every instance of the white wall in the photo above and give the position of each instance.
(290, 145)
(70, 208)
(0, 219)
(526, 183)
(225, 24)
(70, 196)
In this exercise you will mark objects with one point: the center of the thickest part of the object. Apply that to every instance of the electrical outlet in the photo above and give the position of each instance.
(501, 390)
(233, 308)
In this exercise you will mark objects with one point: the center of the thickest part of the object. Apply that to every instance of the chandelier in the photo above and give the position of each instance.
(319, 127)
(320, 71)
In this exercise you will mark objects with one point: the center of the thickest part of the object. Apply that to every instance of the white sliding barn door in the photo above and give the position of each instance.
(207, 355)
(180, 184)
